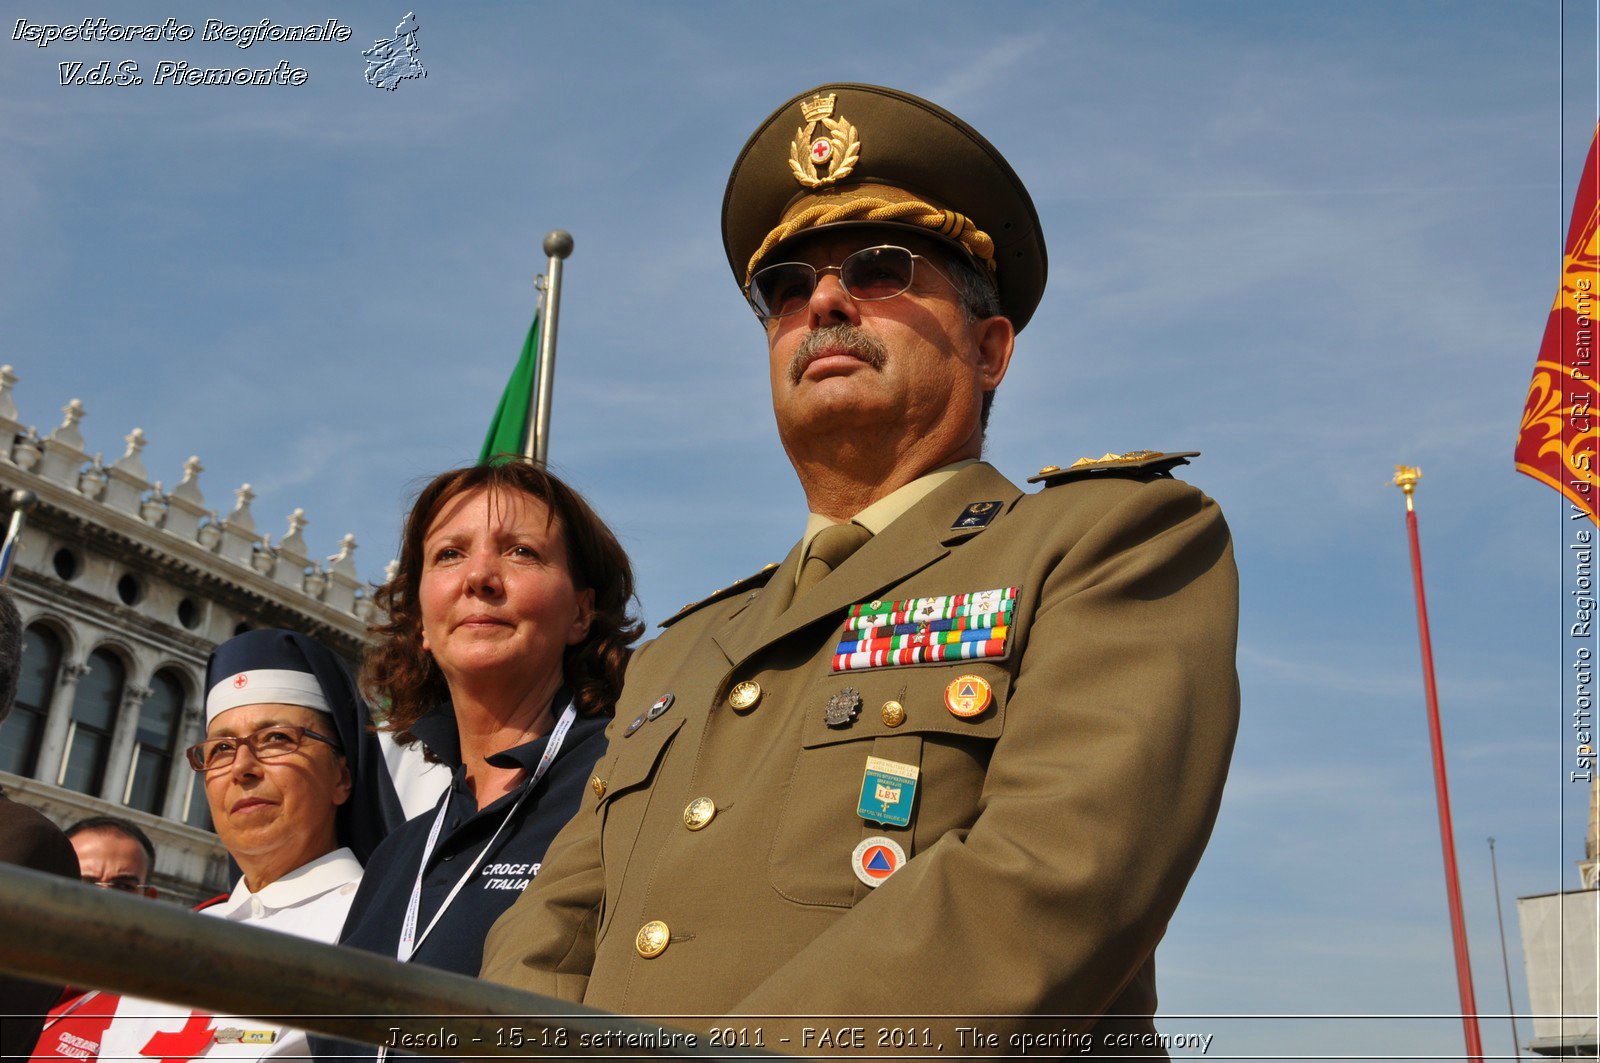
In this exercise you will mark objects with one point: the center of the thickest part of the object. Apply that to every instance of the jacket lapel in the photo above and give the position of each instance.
(916, 540)
(738, 633)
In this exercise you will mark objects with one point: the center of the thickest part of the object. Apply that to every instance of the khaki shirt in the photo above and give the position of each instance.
(886, 510)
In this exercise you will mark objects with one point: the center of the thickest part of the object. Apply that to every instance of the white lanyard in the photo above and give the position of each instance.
(410, 940)
(84, 998)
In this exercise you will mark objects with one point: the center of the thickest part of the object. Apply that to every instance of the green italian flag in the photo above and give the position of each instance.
(513, 418)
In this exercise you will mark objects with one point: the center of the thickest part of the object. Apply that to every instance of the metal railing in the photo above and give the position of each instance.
(58, 930)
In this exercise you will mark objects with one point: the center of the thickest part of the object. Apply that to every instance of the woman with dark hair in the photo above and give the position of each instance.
(507, 631)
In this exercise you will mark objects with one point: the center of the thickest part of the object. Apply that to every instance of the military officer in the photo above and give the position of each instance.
(959, 753)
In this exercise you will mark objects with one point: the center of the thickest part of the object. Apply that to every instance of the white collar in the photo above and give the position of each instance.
(326, 872)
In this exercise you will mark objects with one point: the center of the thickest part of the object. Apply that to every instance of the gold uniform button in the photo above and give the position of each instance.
(699, 812)
(894, 714)
(652, 939)
(598, 785)
(743, 697)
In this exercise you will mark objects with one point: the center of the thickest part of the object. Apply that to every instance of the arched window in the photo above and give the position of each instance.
(23, 730)
(94, 713)
(152, 751)
(196, 812)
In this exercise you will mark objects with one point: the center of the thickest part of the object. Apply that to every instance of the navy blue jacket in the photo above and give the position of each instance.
(456, 944)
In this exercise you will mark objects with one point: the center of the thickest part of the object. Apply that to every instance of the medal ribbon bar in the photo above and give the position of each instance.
(936, 604)
(956, 651)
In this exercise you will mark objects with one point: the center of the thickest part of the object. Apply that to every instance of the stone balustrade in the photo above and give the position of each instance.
(61, 458)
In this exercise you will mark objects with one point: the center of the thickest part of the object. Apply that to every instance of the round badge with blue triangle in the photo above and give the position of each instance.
(968, 696)
(876, 858)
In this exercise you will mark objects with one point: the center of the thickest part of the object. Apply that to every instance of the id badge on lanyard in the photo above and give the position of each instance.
(410, 940)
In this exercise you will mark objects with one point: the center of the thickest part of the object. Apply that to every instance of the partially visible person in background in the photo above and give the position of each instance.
(114, 854)
(27, 839)
(418, 782)
(300, 796)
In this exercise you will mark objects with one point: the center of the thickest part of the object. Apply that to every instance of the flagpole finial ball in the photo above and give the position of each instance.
(23, 500)
(558, 243)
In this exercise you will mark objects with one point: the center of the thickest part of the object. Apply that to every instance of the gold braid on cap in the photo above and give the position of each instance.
(946, 223)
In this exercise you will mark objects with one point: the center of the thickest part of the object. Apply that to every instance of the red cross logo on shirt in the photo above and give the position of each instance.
(180, 1046)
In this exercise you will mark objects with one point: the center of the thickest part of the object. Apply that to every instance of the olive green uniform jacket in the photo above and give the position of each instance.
(1053, 834)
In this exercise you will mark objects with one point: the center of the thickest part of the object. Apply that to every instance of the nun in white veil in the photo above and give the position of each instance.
(300, 795)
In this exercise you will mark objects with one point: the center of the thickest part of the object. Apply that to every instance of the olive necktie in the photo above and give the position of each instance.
(829, 549)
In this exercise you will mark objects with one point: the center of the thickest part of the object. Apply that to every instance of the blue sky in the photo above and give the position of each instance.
(1311, 241)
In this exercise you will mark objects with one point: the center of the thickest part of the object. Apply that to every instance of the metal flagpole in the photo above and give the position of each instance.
(21, 502)
(1505, 957)
(558, 245)
(1405, 478)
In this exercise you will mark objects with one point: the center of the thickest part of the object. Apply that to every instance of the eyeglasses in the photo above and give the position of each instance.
(122, 884)
(269, 743)
(870, 275)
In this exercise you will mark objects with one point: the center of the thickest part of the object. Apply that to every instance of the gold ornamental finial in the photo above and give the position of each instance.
(1405, 478)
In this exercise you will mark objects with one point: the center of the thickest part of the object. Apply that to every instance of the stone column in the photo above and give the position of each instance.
(191, 729)
(53, 746)
(124, 736)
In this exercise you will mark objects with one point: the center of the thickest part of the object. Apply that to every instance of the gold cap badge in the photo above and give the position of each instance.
(837, 152)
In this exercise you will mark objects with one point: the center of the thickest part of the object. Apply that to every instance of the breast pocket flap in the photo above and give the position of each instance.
(635, 758)
(853, 706)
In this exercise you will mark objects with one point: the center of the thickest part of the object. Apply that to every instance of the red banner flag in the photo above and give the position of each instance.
(1557, 443)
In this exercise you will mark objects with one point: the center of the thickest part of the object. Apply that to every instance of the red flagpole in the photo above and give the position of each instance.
(1405, 478)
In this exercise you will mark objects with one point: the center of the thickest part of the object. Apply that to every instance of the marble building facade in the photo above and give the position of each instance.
(124, 587)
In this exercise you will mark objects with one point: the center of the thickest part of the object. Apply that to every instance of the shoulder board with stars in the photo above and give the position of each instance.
(758, 579)
(1133, 463)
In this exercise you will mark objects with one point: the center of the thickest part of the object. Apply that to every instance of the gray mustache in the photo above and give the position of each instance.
(857, 341)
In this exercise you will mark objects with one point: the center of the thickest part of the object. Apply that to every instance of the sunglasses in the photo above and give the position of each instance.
(870, 275)
(269, 743)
